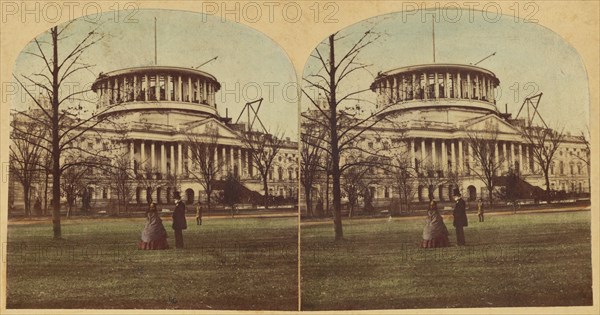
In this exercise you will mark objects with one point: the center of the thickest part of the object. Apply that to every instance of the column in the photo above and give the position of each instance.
(131, 155)
(433, 155)
(469, 88)
(168, 87)
(190, 88)
(453, 157)
(496, 157)
(163, 159)
(180, 89)
(240, 168)
(401, 89)
(447, 85)
(394, 89)
(145, 87)
(527, 164)
(142, 154)
(157, 87)
(189, 157)
(436, 87)
(115, 90)
(205, 92)
(458, 86)
(412, 153)
(521, 166)
(425, 86)
(512, 154)
(505, 156)
(483, 87)
(224, 162)
(460, 165)
(414, 86)
(444, 156)
(172, 158)
(422, 152)
(215, 158)
(472, 156)
(179, 159)
(199, 90)
(152, 157)
(136, 91)
(231, 160)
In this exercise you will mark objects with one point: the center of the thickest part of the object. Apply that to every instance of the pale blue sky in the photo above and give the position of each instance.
(247, 59)
(525, 52)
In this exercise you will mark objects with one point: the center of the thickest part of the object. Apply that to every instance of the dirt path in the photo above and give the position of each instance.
(190, 218)
(447, 214)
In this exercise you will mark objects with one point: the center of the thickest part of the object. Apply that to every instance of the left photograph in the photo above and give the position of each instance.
(153, 165)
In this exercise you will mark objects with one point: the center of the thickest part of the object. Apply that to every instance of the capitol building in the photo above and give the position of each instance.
(147, 115)
(427, 113)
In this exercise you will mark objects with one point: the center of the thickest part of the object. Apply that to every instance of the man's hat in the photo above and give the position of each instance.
(176, 195)
(456, 192)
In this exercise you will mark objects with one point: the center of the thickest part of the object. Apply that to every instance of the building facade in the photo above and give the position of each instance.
(148, 115)
(428, 113)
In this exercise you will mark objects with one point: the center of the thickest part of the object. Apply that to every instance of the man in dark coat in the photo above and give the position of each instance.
(460, 218)
(179, 223)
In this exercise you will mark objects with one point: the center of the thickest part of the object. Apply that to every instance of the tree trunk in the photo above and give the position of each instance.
(266, 188)
(26, 200)
(307, 196)
(327, 210)
(547, 187)
(490, 196)
(46, 194)
(55, 140)
(335, 153)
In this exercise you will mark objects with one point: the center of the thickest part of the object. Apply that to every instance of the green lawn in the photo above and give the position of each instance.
(509, 260)
(242, 263)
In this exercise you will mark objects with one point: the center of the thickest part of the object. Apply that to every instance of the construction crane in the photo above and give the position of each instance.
(252, 112)
(478, 62)
(212, 59)
(532, 103)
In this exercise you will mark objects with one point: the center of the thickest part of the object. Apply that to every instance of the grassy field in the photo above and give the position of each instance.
(248, 263)
(509, 260)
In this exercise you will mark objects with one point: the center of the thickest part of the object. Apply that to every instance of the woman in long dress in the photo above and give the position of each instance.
(435, 233)
(154, 235)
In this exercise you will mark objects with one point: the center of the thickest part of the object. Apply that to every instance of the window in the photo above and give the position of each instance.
(561, 167)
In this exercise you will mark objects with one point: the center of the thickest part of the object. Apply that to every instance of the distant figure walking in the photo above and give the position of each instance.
(480, 209)
(179, 222)
(435, 233)
(460, 218)
(154, 235)
(199, 213)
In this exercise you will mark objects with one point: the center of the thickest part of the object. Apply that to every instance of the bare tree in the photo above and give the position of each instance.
(311, 159)
(544, 143)
(263, 148)
(335, 70)
(431, 177)
(355, 184)
(148, 178)
(205, 165)
(121, 178)
(404, 176)
(488, 161)
(232, 193)
(65, 118)
(26, 157)
(74, 181)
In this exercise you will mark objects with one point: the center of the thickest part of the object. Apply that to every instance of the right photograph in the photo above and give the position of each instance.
(445, 163)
